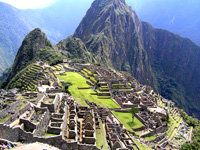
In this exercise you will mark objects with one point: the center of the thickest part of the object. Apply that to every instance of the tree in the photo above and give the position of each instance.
(66, 86)
(133, 111)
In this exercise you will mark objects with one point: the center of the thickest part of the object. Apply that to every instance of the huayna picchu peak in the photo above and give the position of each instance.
(33, 42)
(117, 83)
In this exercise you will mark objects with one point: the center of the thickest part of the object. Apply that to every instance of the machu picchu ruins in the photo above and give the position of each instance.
(92, 113)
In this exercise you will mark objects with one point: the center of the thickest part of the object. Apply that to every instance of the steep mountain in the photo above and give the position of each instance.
(62, 18)
(178, 16)
(175, 61)
(57, 21)
(110, 31)
(116, 37)
(74, 48)
(28, 52)
(36, 47)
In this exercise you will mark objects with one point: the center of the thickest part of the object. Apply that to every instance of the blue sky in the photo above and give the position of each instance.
(34, 4)
(29, 4)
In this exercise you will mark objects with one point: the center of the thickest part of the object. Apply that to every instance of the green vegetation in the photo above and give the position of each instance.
(4, 119)
(88, 71)
(27, 79)
(80, 95)
(173, 123)
(150, 138)
(66, 86)
(118, 86)
(126, 118)
(195, 123)
(141, 146)
(48, 135)
(140, 92)
(101, 138)
(50, 55)
(75, 50)
(133, 111)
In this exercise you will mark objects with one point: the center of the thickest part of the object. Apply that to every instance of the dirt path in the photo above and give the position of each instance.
(35, 146)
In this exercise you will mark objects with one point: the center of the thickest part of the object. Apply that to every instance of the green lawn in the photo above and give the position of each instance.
(48, 135)
(141, 146)
(81, 95)
(101, 138)
(150, 138)
(126, 119)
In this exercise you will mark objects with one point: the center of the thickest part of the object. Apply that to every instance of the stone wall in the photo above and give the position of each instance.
(54, 90)
(139, 129)
(6, 132)
(18, 114)
(10, 109)
(52, 107)
(54, 130)
(121, 110)
(56, 101)
(39, 98)
(140, 119)
(42, 125)
(19, 135)
(64, 127)
(156, 131)
(28, 126)
(159, 138)
(87, 147)
(49, 106)
(103, 94)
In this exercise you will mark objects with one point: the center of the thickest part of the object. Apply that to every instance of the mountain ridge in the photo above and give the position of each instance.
(128, 44)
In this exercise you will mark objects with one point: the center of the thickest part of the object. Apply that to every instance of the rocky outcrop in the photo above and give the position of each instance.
(74, 48)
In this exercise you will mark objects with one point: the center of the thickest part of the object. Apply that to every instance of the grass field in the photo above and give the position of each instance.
(126, 119)
(101, 138)
(141, 146)
(80, 95)
(48, 134)
(150, 138)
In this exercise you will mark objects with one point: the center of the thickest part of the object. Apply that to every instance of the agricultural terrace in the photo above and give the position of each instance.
(80, 95)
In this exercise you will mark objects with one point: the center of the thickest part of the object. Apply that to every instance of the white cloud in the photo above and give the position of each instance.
(29, 4)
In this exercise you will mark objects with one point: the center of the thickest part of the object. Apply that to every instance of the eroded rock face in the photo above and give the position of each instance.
(111, 31)
(116, 37)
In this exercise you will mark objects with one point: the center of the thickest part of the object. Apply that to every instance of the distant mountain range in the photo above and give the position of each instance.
(57, 21)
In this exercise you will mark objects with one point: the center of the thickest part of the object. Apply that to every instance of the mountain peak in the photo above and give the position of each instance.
(102, 4)
(33, 42)
(38, 30)
(111, 31)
